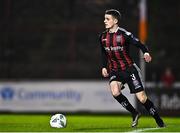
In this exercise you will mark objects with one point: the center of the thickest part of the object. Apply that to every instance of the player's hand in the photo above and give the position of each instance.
(105, 72)
(147, 57)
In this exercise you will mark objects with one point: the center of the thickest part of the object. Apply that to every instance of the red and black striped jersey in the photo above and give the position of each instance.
(115, 49)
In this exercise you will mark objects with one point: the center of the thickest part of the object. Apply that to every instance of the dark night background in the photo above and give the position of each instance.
(57, 39)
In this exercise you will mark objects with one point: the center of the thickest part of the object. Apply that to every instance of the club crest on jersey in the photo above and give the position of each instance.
(118, 38)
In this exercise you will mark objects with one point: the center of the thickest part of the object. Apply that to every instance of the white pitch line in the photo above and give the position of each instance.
(142, 130)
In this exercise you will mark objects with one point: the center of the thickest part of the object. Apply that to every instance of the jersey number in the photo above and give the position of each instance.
(133, 77)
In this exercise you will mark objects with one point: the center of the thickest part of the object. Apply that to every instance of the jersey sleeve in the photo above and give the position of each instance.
(104, 60)
(135, 41)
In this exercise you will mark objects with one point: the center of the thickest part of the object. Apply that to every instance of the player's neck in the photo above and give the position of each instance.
(113, 29)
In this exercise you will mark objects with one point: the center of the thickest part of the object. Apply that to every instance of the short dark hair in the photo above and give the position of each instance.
(115, 13)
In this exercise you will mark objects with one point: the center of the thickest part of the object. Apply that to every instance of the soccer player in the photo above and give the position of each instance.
(120, 68)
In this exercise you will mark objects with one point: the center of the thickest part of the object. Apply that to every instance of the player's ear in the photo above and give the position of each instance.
(115, 21)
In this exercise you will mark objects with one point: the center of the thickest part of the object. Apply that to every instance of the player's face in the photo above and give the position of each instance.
(109, 21)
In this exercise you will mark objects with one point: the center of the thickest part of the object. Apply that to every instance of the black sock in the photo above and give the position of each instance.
(151, 109)
(125, 103)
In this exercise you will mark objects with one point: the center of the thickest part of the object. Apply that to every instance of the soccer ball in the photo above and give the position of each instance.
(58, 121)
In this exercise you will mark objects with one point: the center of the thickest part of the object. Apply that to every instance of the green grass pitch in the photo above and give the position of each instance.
(84, 123)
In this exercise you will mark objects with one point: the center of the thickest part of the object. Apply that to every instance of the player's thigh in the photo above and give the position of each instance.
(141, 96)
(115, 87)
(134, 81)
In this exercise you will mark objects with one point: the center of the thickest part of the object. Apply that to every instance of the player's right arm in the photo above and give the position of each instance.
(104, 60)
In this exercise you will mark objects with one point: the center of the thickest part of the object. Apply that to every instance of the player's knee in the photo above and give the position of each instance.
(142, 100)
(115, 91)
(142, 97)
(114, 88)
(115, 94)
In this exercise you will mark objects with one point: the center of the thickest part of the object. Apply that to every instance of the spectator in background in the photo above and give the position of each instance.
(167, 78)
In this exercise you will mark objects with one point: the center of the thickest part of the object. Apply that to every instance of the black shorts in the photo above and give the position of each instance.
(131, 76)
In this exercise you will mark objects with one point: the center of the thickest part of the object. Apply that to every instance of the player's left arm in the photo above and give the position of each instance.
(135, 41)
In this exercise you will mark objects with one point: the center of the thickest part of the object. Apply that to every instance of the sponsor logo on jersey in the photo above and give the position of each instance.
(117, 48)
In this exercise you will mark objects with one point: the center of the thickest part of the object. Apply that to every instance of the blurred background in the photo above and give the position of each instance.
(55, 40)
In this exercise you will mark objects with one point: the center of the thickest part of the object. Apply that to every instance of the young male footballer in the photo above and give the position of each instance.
(120, 68)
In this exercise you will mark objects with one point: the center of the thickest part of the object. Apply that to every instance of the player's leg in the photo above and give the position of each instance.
(115, 87)
(142, 97)
(116, 92)
(137, 87)
(122, 87)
